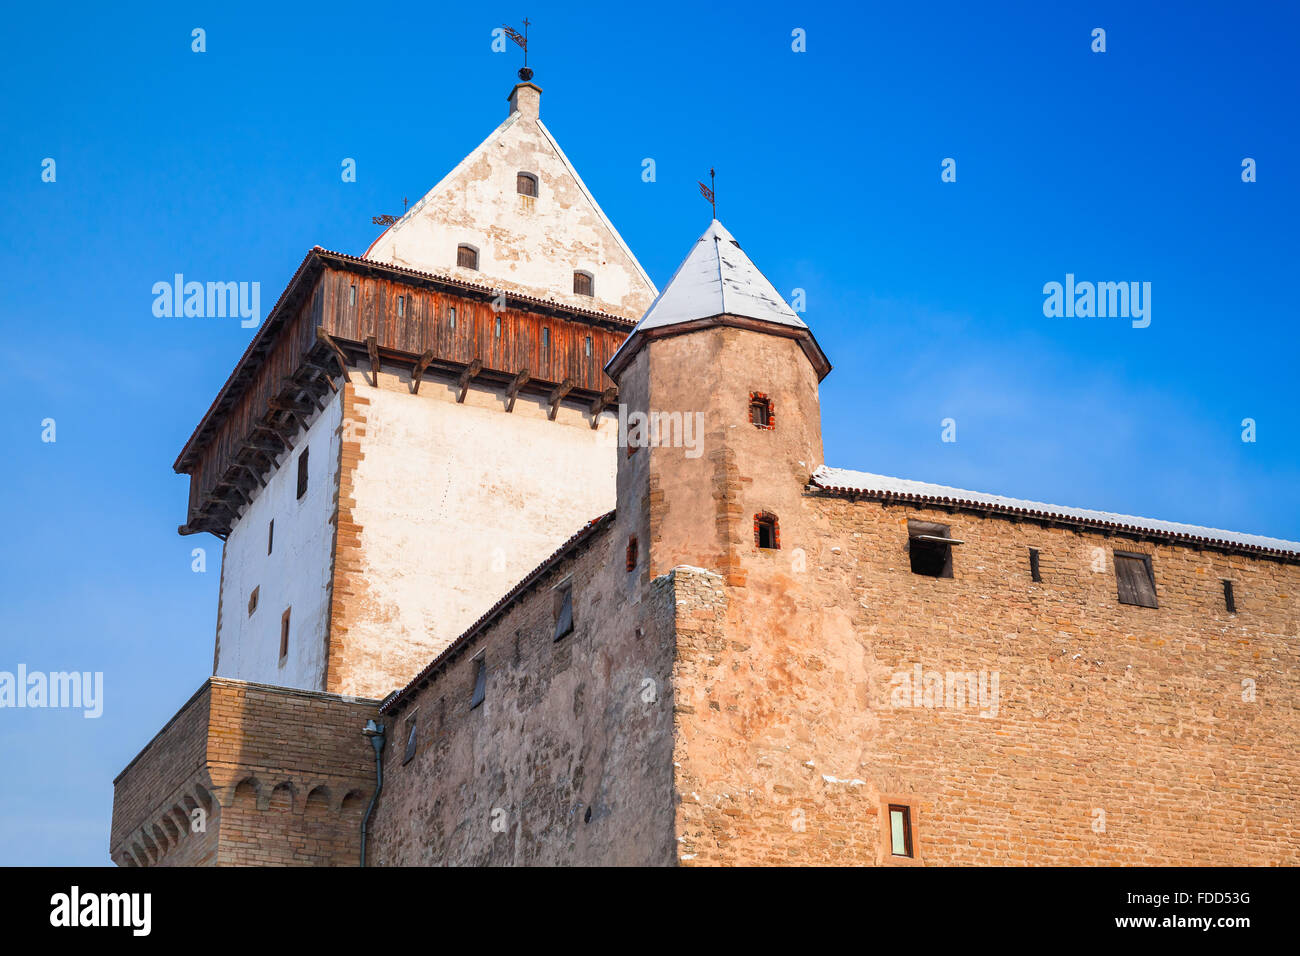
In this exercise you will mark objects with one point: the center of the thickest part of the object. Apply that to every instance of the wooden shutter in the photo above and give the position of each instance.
(1133, 576)
(564, 617)
(411, 739)
(581, 283)
(467, 257)
(480, 683)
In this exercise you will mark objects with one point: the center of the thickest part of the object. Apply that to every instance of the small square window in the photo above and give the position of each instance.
(767, 531)
(480, 683)
(760, 411)
(900, 830)
(302, 472)
(583, 283)
(1133, 576)
(467, 257)
(526, 184)
(930, 548)
(252, 600)
(563, 612)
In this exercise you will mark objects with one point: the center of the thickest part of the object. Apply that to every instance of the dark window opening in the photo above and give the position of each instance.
(1136, 582)
(526, 184)
(900, 830)
(480, 683)
(270, 536)
(252, 599)
(284, 634)
(631, 553)
(583, 283)
(1228, 597)
(411, 738)
(302, 472)
(930, 548)
(760, 411)
(563, 612)
(1033, 565)
(767, 532)
(467, 257)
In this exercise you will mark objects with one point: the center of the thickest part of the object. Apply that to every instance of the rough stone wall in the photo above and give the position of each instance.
(1120, 734)
(282, 777)
(525, 244)
(568, 759)
(443, 507)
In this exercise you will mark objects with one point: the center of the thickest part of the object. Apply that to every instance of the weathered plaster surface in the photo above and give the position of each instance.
(528, 245)
(294, 575)
(451, 505)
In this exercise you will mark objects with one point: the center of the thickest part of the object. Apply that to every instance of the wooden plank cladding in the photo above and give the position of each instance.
(376, 312)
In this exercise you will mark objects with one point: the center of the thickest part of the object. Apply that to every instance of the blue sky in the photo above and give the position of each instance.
(927, 296)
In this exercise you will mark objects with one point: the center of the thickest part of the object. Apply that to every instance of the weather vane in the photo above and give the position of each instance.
(707, 193)
(525, 74)
(389, 220)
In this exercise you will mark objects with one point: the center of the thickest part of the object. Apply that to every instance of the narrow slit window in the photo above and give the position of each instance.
(760, 411)
(496, 328)
(767, 531)
(270, 536)
(451, 317)
(589, 346)
(1135, 580)
(900, 830)
(1228, 598)
(352, 295)
(252, 599)
(467, 257)
(632, 555)
(583, 283)
(929, 548)
(284, 634)
(302, 472)
(526, 184)
(563, 612)
(401, 306)
(1034, 573)
(480, 683)
(412, 738)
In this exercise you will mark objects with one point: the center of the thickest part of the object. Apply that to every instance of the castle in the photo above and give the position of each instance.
(527, 562)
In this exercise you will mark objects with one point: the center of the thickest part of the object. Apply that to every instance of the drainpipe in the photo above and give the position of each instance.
(375, 732)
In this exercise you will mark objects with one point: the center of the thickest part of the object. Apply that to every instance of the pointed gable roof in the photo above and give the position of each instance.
(716, 280)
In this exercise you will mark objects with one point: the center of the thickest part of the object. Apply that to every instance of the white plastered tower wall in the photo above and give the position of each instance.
(294, 576)
(527, 245)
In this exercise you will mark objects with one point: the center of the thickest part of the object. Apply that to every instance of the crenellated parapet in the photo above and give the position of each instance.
(248, 774)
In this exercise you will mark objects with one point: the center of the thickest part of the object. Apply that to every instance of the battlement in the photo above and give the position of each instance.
(248, 774)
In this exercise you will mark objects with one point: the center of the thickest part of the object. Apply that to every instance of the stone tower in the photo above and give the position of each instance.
(411, 431)
(719, 358)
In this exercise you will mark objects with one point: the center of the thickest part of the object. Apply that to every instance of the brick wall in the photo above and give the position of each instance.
(282, 777)
(1122, 734)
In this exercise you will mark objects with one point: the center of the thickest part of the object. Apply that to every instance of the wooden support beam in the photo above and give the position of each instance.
(417, 373)
(280, 403)
(372, 346)
(257, 475)
(474, 368)
(605, 399)
(557, 396)
(521, 379)
(324, 373)
(325, 337)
